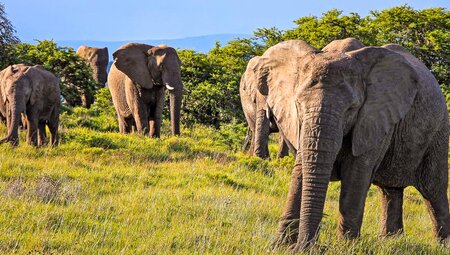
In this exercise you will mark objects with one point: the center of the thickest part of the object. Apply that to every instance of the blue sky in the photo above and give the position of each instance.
(116, 20)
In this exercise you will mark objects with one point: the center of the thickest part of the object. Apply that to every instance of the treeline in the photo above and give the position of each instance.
(212, 79)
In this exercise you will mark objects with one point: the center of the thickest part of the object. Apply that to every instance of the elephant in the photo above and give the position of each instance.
(370, 115)
(137, 81)
(258, 117)
(33, 94)
(98, 60)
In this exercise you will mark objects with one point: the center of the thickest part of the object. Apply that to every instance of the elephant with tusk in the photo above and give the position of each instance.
(369, 115)
(138, 79)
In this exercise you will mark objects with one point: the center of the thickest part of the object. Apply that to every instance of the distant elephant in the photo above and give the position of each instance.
(35, 93)
(372, 115)
(98, 59)
(137, 81)
(258, 116)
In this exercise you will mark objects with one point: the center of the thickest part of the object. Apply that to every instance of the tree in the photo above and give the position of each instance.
(425, 33)
(74, 73)
(332, 25)
(212, 83)
(7, 39)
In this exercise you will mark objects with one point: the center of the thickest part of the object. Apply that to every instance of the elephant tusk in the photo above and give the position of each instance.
(169, 87)
(268, 113)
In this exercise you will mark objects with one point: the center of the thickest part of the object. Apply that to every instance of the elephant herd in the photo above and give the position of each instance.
(360, 115)
(31, 96)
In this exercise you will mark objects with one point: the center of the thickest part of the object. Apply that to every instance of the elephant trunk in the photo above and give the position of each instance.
(13, 118)
(174, 84)
(320, 141)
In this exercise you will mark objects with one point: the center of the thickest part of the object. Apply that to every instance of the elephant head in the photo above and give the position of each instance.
(319, 98)
(148, 66)
(98, 60)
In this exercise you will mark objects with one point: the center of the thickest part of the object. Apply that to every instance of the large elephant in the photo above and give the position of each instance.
(258, 117)
(33, 92)
(98, 59)
(372, 115)
(138, 79)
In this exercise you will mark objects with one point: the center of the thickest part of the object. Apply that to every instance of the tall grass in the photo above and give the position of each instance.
(101, 192)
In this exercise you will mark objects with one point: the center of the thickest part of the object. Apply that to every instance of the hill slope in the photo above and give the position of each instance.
(197, 43)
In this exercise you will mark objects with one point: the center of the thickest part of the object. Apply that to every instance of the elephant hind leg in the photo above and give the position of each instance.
(54, 136)
(283, 149)
(41, 133)
(392, 211)
(433, 184)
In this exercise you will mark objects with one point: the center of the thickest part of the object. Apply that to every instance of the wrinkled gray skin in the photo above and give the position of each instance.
(373, 115)
(138, 79)
(98, 59)
(30, 93)
(258, 117)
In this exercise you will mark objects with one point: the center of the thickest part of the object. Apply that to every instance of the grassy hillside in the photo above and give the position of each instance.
(106, 193)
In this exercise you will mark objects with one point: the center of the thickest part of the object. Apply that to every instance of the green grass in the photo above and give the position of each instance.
(106, 193)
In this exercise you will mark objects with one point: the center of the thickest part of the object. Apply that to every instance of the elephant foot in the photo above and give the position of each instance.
(12, 141)
(301, 246)
(385, 234)
(283, 240)
(445, 242)
(443, 238)
(287, 233)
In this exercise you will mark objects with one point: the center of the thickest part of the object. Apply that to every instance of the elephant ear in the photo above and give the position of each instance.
(391, 87)
(131, 59)
(249, 84)
(277, 75)
(36, 78)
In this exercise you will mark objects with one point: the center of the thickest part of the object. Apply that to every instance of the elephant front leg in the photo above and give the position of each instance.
(288, 225)
(32, 129)
(156, 114)
(392, 211)
(356, 177)
(262, 132)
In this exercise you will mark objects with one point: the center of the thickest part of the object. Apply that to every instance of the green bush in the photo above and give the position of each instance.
(101, 116)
